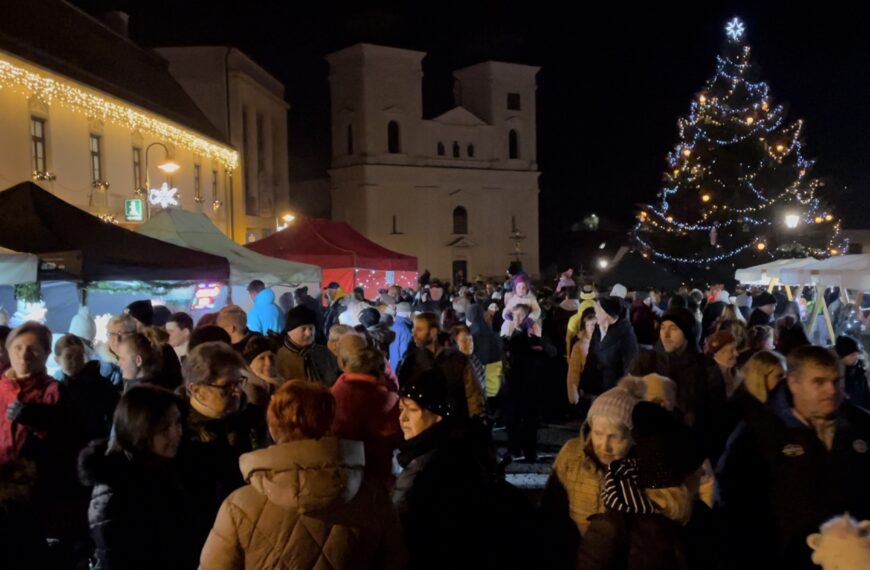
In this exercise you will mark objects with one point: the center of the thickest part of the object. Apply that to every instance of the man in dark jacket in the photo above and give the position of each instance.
(612, 348)
(762, 314)
(303, 298)
(854, 372)
(300, 357)
(429, 352)
(234, 320)
(676, 356)
(784, 475)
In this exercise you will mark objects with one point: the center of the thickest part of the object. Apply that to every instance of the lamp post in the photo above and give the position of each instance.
(168, 166)
(286, 219)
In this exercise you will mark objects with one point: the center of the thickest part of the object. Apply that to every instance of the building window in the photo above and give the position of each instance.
(37, 136)
(470, 150)
(250, 197)
(261, 145)
(455, 149)
(460, 220)
(513, 101)
(395, 226)
(96, 158)
(197, 190)
(394, 143)
(513, 144)
(137, 168)
(350, 139)
(441, 149)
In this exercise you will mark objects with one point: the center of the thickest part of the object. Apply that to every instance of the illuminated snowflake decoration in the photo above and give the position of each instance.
(163, 196)
(735, 29)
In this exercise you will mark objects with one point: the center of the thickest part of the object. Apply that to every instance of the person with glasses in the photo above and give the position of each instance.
(220, 426)
(119, 328)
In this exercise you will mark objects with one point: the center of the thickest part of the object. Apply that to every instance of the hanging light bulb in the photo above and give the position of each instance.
(702, 99)
(750, 120)
(829, 217)
(760, 246)
(835, 251)
(780, 147)
(818, 219)
(765, 106)
(705, 198)
(687, 152)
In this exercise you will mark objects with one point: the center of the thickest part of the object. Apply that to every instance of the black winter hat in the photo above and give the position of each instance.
(611, 305)
(845, 346)
(685, 321)
(667, 450)
(142, 311)
(257, 345)
(369, 317)
(762, 299)
(299, 316)
(429, 390)
(161, 316)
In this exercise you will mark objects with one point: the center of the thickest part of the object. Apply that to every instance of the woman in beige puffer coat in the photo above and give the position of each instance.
(306, 504)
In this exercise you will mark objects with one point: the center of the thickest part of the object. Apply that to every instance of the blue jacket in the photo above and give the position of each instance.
(265, 315)
(402, 327)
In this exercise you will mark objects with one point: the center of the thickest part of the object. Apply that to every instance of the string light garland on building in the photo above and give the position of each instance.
(93, 105)
(744, 166)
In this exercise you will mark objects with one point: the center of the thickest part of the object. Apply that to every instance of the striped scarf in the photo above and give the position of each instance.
(621, 492)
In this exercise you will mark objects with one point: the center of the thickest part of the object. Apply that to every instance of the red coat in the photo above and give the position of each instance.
(367, 410)
(34, 390)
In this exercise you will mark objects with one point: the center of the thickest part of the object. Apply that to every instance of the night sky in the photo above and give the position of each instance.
(613, 82)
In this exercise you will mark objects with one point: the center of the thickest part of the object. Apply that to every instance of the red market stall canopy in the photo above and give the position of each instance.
(345, 255)
(80, 245)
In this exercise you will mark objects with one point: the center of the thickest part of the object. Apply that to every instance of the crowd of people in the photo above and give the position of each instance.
(358, 433)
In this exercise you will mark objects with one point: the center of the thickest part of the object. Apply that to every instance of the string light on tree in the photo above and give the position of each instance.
(736, 141)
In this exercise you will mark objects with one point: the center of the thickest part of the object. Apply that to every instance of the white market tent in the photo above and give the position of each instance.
(771, 272)
(17, 267)
(196, 231)
(845, 272)
(848, 272)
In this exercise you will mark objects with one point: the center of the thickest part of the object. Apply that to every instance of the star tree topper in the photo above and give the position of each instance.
(735, 29)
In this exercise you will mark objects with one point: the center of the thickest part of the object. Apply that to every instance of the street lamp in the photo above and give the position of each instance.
(287, 219)
(792, 220)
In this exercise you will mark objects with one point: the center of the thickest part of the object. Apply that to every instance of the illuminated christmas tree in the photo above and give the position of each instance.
(738, 189)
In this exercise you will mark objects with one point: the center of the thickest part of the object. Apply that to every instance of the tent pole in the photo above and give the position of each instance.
(772, 284)
(816, 310)
(828, 321)
(788, 294)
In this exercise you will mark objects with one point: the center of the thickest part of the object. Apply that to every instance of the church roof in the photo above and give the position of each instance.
(459, 116)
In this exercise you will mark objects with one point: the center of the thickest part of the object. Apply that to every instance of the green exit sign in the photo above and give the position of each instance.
(133, 211)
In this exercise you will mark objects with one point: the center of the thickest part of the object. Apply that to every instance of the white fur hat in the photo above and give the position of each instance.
(619, 290)
(83, 325)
